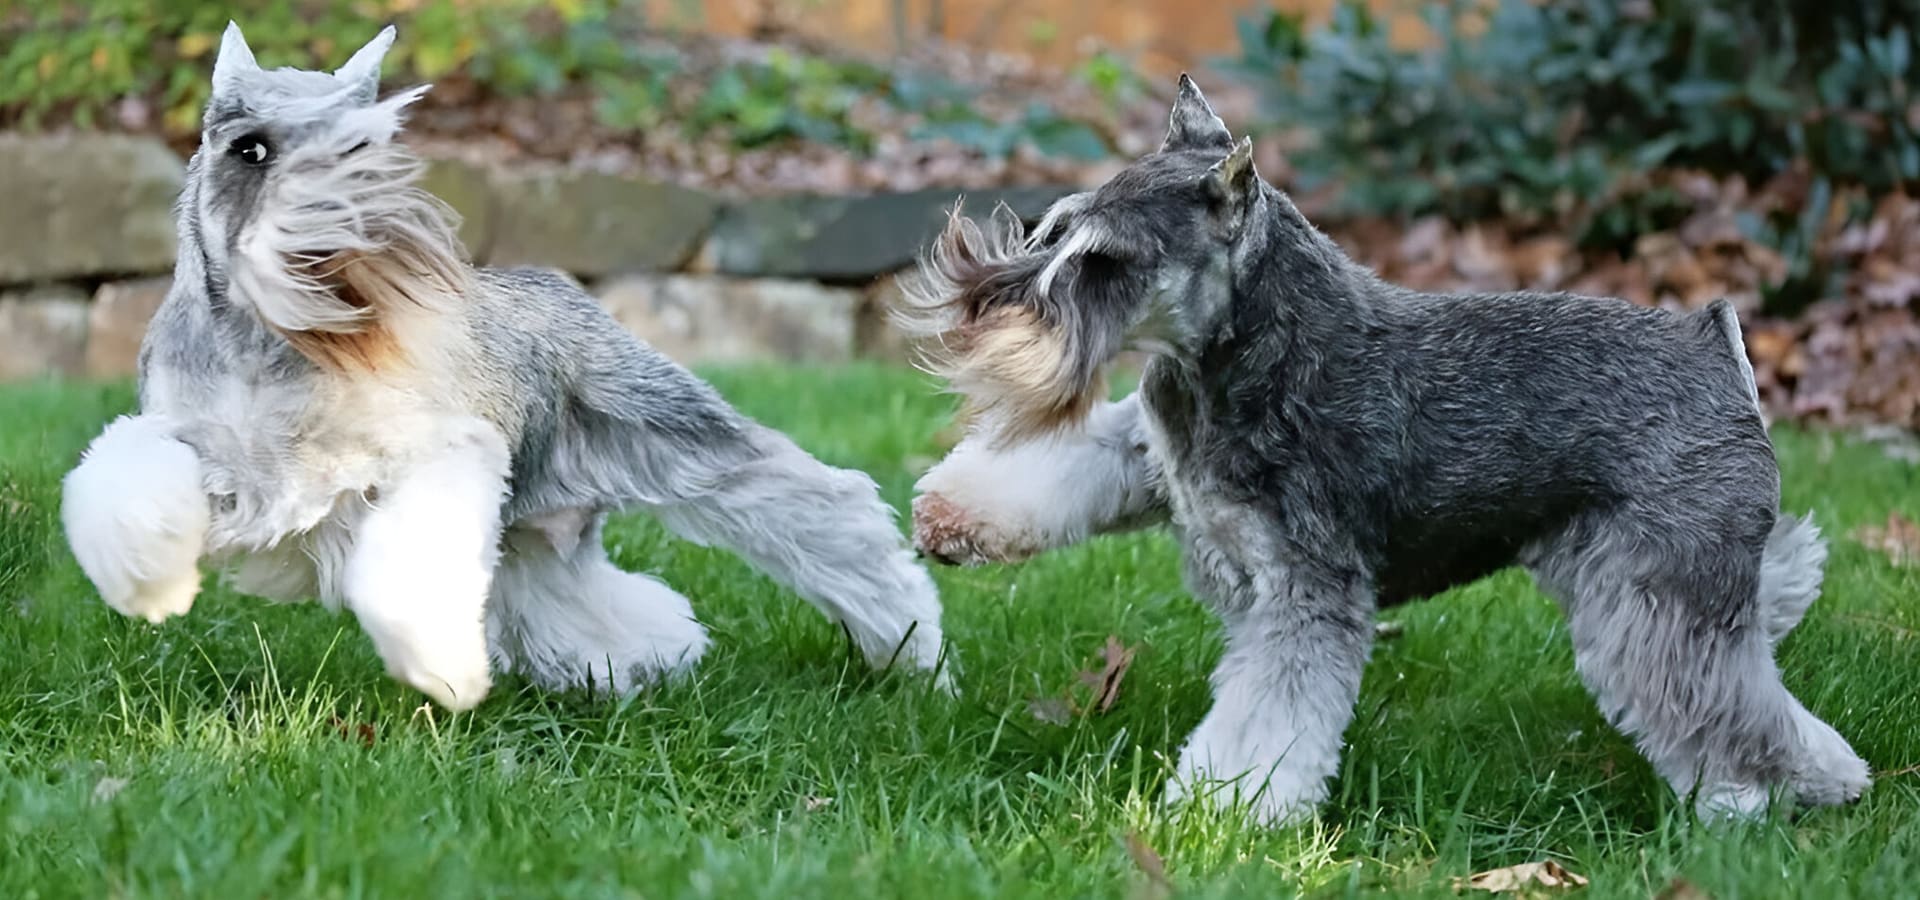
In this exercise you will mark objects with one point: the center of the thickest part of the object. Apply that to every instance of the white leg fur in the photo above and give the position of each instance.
(421, 565)
(563, 614)
(136, 516)
(1790, 573)
(1282, 697)
(991, 503)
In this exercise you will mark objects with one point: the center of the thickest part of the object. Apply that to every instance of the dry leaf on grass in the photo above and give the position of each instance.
(1151, 865)
(1682, 889)
(1523, 877)
(363, 731)
(1117, 658)
(1899, 539)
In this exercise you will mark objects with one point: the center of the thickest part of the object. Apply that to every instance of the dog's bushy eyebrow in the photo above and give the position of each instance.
(1053, 225)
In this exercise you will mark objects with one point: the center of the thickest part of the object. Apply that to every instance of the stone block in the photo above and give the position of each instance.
(81, 205)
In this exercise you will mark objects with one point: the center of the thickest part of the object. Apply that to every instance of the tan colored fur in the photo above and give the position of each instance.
(389, 287)
(1004, 358)
(1015, 368)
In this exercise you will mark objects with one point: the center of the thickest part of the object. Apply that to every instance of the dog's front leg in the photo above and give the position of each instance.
(994, 502)
(1282, 697)
(136, 515)
(421, 565)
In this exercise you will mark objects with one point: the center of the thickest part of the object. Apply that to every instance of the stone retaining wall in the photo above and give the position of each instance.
(86, 240)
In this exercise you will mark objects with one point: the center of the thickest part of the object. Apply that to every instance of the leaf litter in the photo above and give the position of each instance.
(1101, 687)
(1523, 878)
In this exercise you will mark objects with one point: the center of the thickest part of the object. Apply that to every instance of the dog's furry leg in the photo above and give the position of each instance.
(825, 533)
(1695, 687)
(1790, 572)
(645, 432)
(1283, 694)
(988, 502)
(422, 560)
(563, 614)
(136, 515)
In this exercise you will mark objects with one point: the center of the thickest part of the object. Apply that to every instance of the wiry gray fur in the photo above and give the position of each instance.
(317, 415)
(1329, 443)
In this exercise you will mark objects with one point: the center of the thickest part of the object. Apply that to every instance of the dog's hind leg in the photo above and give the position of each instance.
(993, 502)
(643, 431)
(136, 515)
(1669, 634)
(564, 615)
(825, 533)
(423, 555)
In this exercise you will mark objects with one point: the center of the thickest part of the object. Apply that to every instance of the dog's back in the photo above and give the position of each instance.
(1511, 414)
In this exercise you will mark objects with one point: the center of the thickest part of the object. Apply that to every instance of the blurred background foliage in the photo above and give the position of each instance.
(79, 62)
(1555, 113)
(1671, 152)
(1553, 116)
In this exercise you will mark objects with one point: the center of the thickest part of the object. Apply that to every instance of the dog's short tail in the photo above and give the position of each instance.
(1790, 573)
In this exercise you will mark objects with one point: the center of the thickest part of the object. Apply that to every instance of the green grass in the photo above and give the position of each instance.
(1474, 746)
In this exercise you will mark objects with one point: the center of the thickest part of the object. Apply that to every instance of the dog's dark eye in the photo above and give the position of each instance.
(252, 149)
(1101, 264)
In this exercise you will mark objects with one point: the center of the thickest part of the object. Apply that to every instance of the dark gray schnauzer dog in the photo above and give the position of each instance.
(335, 405)
(1326, 444)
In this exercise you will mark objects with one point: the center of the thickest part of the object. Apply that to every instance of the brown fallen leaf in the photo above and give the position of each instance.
(1523, 877)
(1899, 539)
(1682, 889)
(1117, 658)
(363, 731)
(1151, 865)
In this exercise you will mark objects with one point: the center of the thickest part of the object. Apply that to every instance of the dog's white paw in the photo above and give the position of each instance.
(1731, 802)
(945, 531)
(637, 664)
(1827, 772)
(136, 516)
(453, 670)
(922, 652)
(1276, 793)
(160, 600)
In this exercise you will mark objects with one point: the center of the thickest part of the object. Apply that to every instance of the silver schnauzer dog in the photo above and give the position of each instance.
(334, 404)
(1325, 443)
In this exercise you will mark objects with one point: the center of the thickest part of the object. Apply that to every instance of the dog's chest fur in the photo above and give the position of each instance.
(1230, 555)
(287, 448)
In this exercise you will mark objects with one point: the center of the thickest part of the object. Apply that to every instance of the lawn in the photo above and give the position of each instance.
(258, 750)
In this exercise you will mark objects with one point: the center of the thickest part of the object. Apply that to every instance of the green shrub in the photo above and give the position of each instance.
(1532, 110)
(75, 59)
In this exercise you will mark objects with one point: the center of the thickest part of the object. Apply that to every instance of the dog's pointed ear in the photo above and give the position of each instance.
(234, 62)
(1232, 181)
(362, 71)
(1193, 124)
